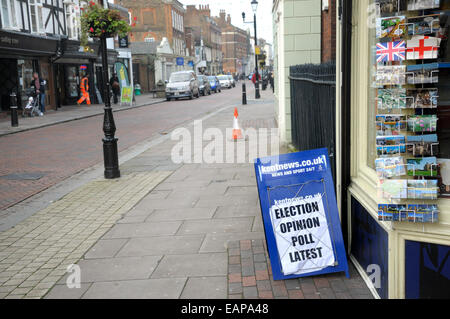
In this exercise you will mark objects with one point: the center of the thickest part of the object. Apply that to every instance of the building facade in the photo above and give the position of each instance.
(207, 39)
(235, 45)
(43, 36)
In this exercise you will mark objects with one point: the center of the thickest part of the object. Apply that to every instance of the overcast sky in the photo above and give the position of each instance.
(235, 9)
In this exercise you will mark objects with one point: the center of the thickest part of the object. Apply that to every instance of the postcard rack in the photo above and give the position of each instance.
(409, 37)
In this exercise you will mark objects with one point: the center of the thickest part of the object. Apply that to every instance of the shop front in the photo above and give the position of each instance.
(75, 63)
(20, 56)
(393, 126)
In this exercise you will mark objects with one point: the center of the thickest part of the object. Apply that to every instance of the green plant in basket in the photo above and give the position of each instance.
(97, 22)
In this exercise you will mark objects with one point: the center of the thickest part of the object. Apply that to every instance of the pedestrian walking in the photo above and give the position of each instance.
(38, 84)
(254, 78)
(84, 88)
(272, 85)
(115, 87)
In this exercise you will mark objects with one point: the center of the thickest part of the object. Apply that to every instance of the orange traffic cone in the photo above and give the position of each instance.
(237, 132)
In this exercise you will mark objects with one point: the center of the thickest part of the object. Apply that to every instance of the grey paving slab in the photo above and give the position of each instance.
(164, 245)
(218, 242)
(146, 211)
(205, 288)
(132, 219)
(169, 288)
(258, 224)
(182, 214)
(143, 230)
(182, 185)
(64, 292)
(237, 211)
(113, 269)
(193, 265)
(241, 200)
(226, 225)
(150, 203)
(241, 190)
(105, 248)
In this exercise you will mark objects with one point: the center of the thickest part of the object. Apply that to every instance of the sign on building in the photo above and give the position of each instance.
(180, 61)
(301, 219)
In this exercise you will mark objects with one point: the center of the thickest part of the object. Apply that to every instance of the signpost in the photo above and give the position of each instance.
(300, 215)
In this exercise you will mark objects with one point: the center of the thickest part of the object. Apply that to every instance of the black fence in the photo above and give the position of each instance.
(313, 108)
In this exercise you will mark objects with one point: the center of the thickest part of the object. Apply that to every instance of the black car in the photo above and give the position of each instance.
(203, 85)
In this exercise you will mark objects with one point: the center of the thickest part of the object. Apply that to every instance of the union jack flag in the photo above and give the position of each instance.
(391, 51)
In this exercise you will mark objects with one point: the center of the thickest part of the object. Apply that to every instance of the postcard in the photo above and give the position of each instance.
(427, 138)
(422, 99)
(423, 25)
(426, 166)
(422, 73)
(422, 189)
(390, 75)
(393, 189)
(390, 145)
(423, 4)
(423, 213)
(422, 123)
(392, 98)
(390, 167)
(422, 47)
(391, 6)
(390, 124)
(391, 27)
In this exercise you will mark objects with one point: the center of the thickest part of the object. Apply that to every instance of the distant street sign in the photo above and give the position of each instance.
(180, 61)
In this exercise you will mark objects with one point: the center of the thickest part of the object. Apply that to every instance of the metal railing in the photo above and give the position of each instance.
(313, 107)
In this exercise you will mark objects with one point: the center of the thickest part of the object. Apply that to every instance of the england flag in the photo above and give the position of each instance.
(391, 51)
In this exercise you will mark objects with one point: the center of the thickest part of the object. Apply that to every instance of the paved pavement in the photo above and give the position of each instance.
(192, 230)
(249, 277)
(69, 113)
(33, 160)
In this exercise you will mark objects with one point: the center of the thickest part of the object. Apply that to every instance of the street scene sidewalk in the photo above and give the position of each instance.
(69, 113)
(163, 230)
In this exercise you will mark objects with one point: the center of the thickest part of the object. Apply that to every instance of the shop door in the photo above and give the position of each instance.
(8, 82)
(71, 84)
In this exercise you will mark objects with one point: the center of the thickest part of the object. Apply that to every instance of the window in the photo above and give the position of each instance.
(72, 22)
(37, 24)
(9, 14)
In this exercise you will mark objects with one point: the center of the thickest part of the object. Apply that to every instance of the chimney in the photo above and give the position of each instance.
(222, 15)
(229, 19)
(204, 10)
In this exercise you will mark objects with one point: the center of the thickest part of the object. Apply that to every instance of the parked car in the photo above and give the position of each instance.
(224, 81)
(233, 82)
(214, 83)
(182, 84)
(203, 85)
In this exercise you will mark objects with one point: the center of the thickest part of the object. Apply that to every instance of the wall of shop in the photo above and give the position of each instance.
(297, 40)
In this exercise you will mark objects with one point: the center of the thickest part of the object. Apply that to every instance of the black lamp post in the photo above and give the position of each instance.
(110, 153)
(254, 4)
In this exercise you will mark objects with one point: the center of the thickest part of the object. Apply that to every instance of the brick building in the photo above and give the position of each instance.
(157, 19)
(328, 30)
(206, 36)
(235, 45)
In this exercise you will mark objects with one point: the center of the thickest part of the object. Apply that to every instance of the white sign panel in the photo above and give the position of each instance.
(302, 235)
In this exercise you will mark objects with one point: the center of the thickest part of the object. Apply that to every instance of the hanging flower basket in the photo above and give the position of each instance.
(97, 22)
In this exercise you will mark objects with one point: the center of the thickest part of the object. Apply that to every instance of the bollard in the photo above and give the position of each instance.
(13, 107)
(244, 94)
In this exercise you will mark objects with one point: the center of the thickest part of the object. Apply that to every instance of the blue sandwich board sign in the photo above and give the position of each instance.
(300, 215)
